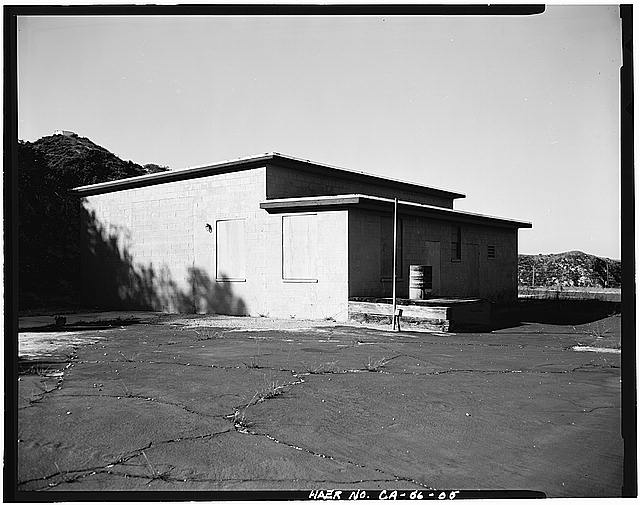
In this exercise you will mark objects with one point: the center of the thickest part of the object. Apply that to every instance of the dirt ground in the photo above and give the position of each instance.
(223, 403)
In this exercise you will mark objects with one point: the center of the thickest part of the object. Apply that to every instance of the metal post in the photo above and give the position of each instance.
(533, 274)
(395, 239)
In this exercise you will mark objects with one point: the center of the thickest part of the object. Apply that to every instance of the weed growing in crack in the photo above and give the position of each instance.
(42, 387)
(595, 330)
(327, 367)
(37, 369)
(64, 476)
(126, 359)
(121, 458)
(252, 364)
(240, 422)
(126, 390)
(156, 474)
(70, 356)
(270, 390)
(598, 330)
(377, 365)
(206, 335)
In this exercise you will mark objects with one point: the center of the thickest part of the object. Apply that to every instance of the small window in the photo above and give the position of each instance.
(230, 250)
(456, 243)
(386, 248)
(491, 252)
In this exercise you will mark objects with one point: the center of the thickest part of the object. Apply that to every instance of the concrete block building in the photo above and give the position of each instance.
(278, 236)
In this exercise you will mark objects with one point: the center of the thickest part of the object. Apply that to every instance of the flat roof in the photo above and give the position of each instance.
(255, 161)
(377, 203)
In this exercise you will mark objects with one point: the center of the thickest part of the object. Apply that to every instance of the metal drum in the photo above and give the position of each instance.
(420, 281)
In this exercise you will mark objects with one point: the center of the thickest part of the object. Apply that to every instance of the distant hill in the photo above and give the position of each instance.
(81, 161)
(573, 268)
(49, 216)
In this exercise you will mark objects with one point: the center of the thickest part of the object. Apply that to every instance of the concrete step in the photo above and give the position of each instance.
(452, 315)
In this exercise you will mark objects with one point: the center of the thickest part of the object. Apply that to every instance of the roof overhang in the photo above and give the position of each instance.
(374, 203)
(250, 162)
(172, 176)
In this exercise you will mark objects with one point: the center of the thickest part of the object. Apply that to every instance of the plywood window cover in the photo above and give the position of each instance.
(294, 279)
(228, 279)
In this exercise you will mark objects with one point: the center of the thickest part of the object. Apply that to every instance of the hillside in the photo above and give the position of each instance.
(573, 268)
(85, 162)
(49, 216)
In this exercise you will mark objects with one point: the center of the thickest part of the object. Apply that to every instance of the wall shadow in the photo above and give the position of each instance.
(112, 279)
(559, 312)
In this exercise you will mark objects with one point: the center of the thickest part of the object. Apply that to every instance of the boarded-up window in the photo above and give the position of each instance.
(491, 252)
(299, 247)
(386, 252)
(230, 250)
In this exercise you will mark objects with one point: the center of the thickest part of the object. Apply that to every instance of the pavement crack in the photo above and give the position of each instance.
(82, 471)
(397, 478)
(588, 411)
(149, 399)
(591, 366)
(203, 480)
(75, 475)
(585, 410)
(240, 425)
(157, 362)
(41, 396)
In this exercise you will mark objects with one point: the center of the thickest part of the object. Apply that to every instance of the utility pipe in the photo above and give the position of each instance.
(395, 239)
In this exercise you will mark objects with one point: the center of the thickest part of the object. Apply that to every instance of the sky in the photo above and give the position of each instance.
(521, 114)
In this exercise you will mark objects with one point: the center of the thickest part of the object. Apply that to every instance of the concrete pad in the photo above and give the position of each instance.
(416, 427)
(588, 348)
(82, 433)
(56, 345)
(220, 405)
(249, 323)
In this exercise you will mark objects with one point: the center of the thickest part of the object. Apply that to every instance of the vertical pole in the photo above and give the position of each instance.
(533, 274)
(395, 240)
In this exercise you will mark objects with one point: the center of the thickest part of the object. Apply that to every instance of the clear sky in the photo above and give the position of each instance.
(519, 113)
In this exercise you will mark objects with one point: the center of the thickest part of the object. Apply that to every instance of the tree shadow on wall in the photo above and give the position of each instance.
(112, 279)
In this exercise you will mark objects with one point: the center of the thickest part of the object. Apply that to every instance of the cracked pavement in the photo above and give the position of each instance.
(219, 403)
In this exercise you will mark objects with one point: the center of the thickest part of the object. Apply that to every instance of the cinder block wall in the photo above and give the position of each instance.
(475, 275)
(149, 247)
(283, 182)
(328, 297)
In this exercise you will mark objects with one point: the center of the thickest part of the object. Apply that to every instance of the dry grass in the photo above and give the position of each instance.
(37, 369)
(252, 364)
(598, 330)
(328, 367)
(270, 389)
(376, 365)
(156, 474)
(207, 335)
(240, 420)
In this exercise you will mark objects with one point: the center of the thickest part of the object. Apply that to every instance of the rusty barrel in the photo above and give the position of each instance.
(420, 281)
